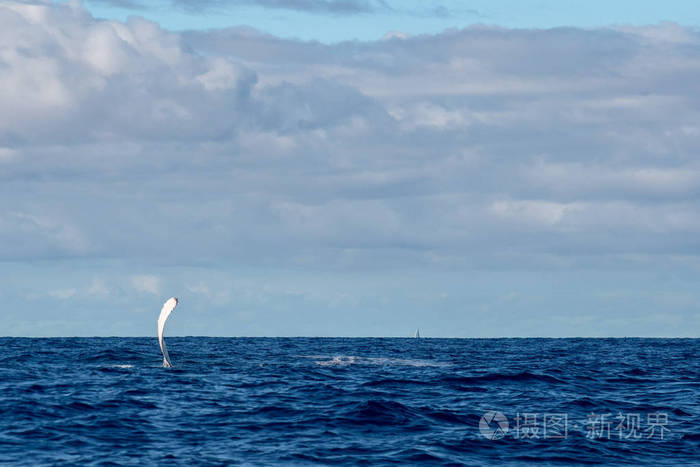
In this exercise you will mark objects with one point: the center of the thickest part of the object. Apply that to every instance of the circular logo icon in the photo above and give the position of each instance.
(493, 425)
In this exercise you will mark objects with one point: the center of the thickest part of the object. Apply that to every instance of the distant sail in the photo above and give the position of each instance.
(168, 308)
(417, 334)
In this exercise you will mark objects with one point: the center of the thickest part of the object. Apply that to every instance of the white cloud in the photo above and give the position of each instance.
(395, 35)
(87, 79)
(534, 212)
(595, 180)
(24, 234)
(62, 294)
(200, 288)
(146, 283)
(98, 288)
(7, 154)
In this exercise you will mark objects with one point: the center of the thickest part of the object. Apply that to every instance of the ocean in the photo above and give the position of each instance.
(373, 401)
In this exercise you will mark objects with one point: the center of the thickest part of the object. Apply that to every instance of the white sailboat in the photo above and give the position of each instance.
(417, 334)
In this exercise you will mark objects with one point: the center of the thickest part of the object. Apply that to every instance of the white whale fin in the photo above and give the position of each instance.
(168, 308)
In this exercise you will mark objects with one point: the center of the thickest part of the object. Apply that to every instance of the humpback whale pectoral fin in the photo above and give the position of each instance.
(168, 307)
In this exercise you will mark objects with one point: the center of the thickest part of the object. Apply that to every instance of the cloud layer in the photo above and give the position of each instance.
(128, 140)
(344, 7)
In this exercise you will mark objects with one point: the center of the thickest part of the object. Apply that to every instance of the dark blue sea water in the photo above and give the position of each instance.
(286, 401)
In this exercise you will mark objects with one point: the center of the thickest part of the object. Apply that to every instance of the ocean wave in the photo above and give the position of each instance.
(520, 377)
(345, 360)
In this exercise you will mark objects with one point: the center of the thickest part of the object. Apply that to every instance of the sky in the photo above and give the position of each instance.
(350, 168)
(330, 21)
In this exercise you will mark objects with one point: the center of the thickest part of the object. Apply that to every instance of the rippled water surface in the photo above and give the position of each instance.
(377, 401)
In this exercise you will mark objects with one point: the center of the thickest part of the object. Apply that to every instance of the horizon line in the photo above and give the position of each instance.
(353, 337)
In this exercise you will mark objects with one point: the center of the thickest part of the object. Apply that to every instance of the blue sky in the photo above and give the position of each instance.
(462, 168)
(371, 20)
